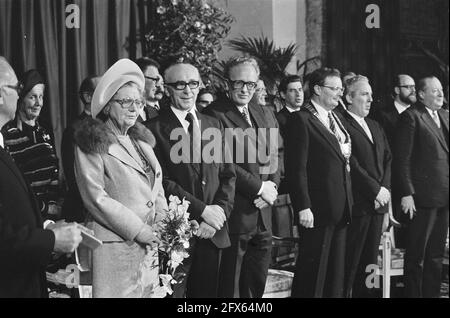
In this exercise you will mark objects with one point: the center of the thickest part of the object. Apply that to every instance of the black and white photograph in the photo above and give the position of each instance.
(238, 152)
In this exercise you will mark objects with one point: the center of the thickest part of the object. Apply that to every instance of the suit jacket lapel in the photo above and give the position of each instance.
(171, 122)
(257, 115)
(7, 159)
(358, 127)
(327, 135)
(378, 141)
(433, 127)
(233, 114)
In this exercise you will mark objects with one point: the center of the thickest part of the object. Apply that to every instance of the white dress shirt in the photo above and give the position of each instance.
(323, 113)
(362, 122)
(181, 115)
(400, 108)
(2, 143)
(241, 110)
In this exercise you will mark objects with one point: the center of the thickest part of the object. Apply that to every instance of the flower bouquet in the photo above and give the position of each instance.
(175, 230)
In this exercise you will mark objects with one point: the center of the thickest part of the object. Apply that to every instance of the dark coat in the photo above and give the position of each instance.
(250, 173)
(370, 163)
(316, 170)
(387, 117)
(214, 184)
(25, 247)
(421, 157)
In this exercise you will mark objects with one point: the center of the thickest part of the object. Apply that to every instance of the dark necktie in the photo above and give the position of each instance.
(195, 138)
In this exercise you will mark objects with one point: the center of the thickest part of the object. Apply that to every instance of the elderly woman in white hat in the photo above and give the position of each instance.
(120, 181)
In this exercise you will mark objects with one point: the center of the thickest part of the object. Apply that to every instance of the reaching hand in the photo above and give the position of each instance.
(214, 216)
(306, 218)
(269, 192)
(408, 206)
(67, 237)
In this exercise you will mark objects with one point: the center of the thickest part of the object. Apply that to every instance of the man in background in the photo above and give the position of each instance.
(154, 88)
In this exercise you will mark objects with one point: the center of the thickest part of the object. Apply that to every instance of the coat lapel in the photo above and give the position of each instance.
(171, 123)
(358, 127)
(233, 114)
(118, 151)
(327, 135)
(433, 127)
(257, 115)
(7, 159)
(148, 151)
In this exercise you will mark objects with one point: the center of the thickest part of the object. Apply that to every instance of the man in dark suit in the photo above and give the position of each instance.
(404, 93)
(318, 152)
(421, 160)
(370, 165)
(291, 91)
(73, 209)
(245, 264)
(25, 247)
(208, 185)
(154, 88)
(404, 96)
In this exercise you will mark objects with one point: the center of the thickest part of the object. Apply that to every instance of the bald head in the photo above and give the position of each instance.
(7, 75)
(8, 92)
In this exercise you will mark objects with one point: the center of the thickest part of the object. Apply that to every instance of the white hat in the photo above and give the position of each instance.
(122, 72)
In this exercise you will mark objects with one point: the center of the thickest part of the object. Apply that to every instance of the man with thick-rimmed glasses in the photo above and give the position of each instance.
(208, 186)
(245, 264)
(404, 95)
(154, 88)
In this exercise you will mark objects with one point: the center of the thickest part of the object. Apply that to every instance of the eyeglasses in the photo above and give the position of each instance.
(410, 87)
(334, 88)
(240, 84)
(154, 79)
(181, 85)
(127, 102)
(18, 87)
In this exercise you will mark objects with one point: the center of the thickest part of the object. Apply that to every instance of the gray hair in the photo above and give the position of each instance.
(235, 61)
(350, 83)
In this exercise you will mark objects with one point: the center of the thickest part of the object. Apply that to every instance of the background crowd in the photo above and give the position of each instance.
(348, 167)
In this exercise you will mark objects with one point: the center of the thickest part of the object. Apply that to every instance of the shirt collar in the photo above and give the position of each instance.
(291, 110)
(356, 117)
(2, 143)
(153, 104)
(181, 115)
(400, 108)
(430, 111)
(323, 113)
(241, 108)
